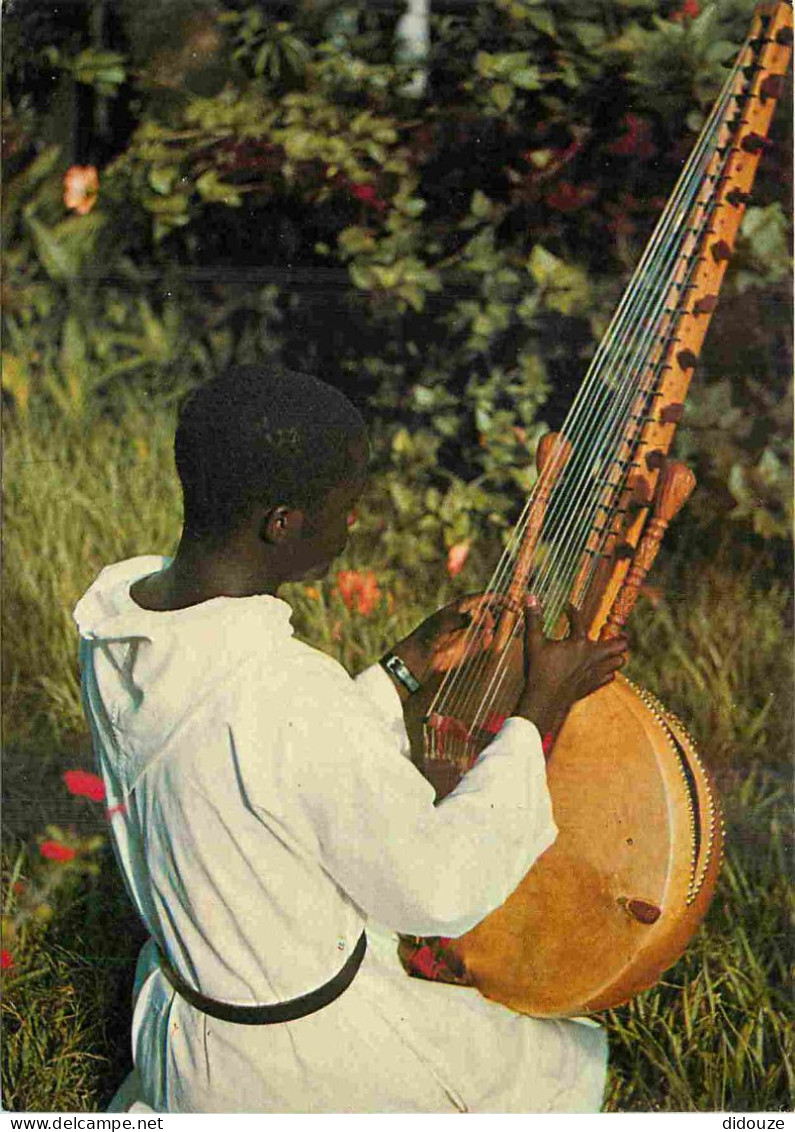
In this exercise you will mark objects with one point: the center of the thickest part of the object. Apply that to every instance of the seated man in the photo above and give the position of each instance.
(264, 812)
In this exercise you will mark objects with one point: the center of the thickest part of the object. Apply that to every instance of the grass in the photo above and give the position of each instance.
(712, 1036)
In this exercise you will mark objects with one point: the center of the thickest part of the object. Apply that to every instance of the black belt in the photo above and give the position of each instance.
(275, 1012)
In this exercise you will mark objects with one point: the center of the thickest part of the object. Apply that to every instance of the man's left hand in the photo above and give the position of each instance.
(465, 627)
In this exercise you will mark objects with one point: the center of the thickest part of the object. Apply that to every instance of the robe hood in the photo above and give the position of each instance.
(156, 668)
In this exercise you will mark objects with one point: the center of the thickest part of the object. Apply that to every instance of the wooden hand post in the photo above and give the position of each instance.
(674, 488)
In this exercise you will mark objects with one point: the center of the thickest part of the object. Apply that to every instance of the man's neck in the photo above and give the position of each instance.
(199, 573)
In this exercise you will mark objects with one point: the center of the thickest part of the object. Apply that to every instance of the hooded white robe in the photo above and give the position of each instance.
(263, 811)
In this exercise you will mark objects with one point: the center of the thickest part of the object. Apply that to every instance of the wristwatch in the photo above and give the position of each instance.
(395, 667)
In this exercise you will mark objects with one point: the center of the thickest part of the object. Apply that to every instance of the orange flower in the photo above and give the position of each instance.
(54, 851)
(80, 188)
(85, 784)
(456, 557)
(359, 590)
(312, 592)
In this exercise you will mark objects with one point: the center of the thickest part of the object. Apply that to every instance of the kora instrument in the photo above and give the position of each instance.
(615, 900)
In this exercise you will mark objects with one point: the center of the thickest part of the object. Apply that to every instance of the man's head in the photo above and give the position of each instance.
(274, 454)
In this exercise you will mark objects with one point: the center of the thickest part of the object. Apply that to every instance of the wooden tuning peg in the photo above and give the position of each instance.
(674, 488)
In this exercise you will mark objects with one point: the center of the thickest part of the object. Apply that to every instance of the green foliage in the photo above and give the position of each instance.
(104, 70)
(468, 248)
(74, 501)
(65, 998)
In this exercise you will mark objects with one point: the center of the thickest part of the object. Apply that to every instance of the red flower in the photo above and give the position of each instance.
(85, 785)
(359, 590)
(567, 197)
(689, 10)
(368, 195)
(547, 743)
(6, 960)
(636, 141)
(456, 557)
(54, 851)
(80, 188)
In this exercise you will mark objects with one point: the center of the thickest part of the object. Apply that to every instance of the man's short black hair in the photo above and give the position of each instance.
(261, 435)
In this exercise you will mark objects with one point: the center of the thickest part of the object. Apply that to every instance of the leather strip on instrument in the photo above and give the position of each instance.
(276, 1012)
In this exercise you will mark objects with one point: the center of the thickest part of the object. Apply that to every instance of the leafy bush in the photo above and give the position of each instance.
(449, 261)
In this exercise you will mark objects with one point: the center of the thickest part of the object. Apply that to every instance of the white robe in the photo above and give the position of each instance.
(263, 811)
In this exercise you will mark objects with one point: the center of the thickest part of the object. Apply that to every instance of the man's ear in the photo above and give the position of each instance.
(281, 524)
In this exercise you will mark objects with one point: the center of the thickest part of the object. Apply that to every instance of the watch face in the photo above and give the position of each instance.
(401, 673)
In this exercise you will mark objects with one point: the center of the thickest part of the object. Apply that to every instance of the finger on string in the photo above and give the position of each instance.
(579, 629)
(477, 608)
(533, 634)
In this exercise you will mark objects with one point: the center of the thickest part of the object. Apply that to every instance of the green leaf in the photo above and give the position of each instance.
(73, 354)
(58, 259)
(543, 21)
(413, 207)
(765, 234)
(212, 189)
(362, 277)
(156, 338)
(566, 287)
(355, 240)
(480, 205)
(590, 35)
(162, 178)
(502, 96)
(402, 496)
(414, 295)
(721, 50)
(387, 275)
(527, 78)
(26, 180)
(401, 443)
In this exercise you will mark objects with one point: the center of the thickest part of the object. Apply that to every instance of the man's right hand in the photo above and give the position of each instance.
(558, 673)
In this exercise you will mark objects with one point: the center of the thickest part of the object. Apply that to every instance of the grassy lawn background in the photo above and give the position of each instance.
(715, 647)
